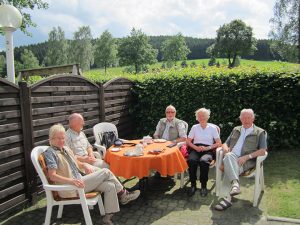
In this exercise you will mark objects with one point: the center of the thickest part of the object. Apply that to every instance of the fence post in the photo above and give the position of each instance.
(28, 141)
(101, 103)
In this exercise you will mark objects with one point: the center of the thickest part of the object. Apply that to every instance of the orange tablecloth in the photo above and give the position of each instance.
(166, 163)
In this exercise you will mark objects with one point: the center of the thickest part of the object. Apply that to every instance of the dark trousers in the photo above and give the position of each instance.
(203, 159)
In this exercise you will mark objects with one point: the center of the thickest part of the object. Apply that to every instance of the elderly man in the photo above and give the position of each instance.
(241, 148)
(78, 142)
(171, 128)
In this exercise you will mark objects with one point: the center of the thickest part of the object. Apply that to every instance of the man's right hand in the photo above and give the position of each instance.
(90, 160)
(78, 183)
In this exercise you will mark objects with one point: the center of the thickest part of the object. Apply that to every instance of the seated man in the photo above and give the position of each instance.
(171, 128)
(79, 144)
(64, 168)
(244, 144)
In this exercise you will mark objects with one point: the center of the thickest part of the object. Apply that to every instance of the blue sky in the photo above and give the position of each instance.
(195, 18)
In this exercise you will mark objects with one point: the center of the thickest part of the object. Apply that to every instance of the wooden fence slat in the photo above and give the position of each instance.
(10, 152)
(116, 108)
(9, 101)
(63, 98)
(11, 139)
(126, 100)
(12, 164)
(11, 190)
(10, 114)
(65, 88)
(116, 115)
(56, 109)
(12, 203)
(8, 89)
(117, 94)
(10, 127)
(118, 87)
(11, 177)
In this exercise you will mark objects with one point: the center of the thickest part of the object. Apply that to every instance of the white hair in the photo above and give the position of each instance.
(171, 107)
(204, 111)
(55, 129)
(249, 111)
(75, 116)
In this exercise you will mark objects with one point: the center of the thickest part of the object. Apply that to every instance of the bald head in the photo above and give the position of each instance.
(76, 122)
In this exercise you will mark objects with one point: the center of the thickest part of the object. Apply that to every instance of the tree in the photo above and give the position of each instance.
(24, 6)
(57, 51)
(175, 49)
(82, 48)
(234, 39)
(105, 50)
(286, 29)
(28, 59)
(136, 50)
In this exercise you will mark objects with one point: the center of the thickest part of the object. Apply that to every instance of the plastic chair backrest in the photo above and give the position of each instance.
(100, 128)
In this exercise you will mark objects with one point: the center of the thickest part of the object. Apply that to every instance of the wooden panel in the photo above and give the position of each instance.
(66, 88)
(116, 115)
(63, 98)
(116, 108)
(10, 152)
(10, 127)
(10, 139)
(117, 94)
(7, 89)
(9, 101)
(10, 114)
(12, 164)
(126, 100)
(11, 190)
(20, 199)
(11, 177)
(118, 87)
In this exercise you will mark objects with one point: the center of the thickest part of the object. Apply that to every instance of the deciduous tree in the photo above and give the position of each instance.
(57, 51)
(175, 49)
(82, 48)
(105, 50)
(135, 50)
(286, 29)
(29, 60)
(234, 39)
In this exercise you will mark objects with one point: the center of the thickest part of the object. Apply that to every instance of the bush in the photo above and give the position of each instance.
(273, 95)
(184, 64)
(212, 61)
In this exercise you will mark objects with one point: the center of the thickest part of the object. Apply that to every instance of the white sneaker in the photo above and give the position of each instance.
(107, 219)
(129, 196)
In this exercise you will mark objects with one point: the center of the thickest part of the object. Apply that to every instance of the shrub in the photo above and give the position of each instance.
(273, 95)
(184, 64)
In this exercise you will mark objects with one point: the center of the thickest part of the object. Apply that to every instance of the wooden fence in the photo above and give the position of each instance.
(27, 112)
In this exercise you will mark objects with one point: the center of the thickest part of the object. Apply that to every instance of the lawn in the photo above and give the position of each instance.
(112, 72)
(282, 180)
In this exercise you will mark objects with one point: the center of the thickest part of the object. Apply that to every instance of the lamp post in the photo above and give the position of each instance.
(10, 20)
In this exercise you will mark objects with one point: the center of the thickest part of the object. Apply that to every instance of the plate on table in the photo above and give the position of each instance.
(155, 151)
(132, 153)
(159, 140)
(115, 149)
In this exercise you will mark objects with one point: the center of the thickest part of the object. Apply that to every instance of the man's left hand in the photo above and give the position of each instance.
(242, 160)
(87, 168)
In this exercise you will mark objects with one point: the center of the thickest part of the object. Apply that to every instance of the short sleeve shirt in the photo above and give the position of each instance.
(204, 136)
(78, 143)
(51, 160)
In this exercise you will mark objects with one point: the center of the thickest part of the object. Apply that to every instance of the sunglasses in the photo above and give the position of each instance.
(170, 112)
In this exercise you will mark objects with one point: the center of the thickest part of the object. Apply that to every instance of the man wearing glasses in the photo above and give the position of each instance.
(171, 128)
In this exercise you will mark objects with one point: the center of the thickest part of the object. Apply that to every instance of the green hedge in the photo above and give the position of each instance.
(273, 94)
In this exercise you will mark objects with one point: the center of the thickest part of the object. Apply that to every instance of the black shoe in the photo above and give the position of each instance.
(192, 191)
(203, 192)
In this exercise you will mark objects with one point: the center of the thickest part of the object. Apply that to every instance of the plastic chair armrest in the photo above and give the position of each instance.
(100, 148)
(55, 187)
(179, 144)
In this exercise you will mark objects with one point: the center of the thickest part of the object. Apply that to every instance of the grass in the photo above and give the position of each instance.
(119, 71)
(282, 180)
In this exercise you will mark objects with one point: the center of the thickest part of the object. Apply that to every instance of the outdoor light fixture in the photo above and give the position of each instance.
(10, 20)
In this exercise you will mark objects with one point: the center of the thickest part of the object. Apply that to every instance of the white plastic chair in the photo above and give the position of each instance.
(98, 131)
(50, 188)
(258, 173)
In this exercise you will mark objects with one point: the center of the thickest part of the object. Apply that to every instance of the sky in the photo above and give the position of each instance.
(194, 18)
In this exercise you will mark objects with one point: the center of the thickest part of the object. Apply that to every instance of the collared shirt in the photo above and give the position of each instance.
(166, 133)
(238, 146)
(51, 160)
(78, 143)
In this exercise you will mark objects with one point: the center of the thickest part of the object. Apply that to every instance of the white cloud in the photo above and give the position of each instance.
(198, 18)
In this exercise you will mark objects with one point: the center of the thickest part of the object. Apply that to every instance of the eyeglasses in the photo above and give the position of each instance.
(170, 111)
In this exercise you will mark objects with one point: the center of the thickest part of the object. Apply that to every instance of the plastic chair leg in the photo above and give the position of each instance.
(101, 207)
(48, 214)
(60, 211)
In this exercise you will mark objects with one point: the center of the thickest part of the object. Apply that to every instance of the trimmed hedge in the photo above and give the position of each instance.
(273, 94)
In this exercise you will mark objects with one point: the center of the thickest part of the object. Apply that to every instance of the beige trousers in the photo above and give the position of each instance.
(103, 180)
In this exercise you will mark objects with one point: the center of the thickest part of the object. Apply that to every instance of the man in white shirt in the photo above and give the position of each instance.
(79, 144)
(241, 148)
